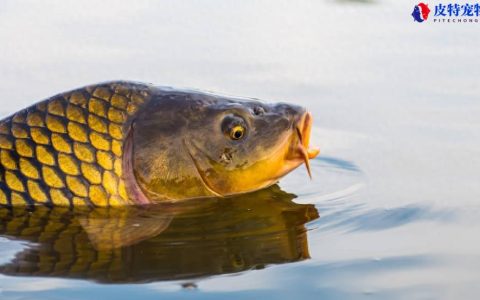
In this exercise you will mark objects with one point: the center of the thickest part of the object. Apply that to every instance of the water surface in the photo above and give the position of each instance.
(396, 185)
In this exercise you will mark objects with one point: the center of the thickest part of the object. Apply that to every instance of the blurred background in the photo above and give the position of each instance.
(396, 111)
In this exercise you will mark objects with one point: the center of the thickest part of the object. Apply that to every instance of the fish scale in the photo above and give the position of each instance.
(67, 150)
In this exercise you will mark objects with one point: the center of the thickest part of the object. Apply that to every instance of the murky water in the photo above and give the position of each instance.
(396, 187)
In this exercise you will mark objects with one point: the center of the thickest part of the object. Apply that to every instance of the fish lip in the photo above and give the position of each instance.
(303, 127)
(297, 150)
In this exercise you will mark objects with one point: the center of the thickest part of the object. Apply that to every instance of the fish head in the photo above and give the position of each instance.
(190, 145)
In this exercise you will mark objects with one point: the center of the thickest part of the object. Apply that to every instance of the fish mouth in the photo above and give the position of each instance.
(301, 147)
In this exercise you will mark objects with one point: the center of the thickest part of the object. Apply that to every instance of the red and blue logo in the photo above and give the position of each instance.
(420, 12)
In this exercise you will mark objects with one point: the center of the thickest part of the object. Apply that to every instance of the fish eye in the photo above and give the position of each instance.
(237, 132)
(234, 127)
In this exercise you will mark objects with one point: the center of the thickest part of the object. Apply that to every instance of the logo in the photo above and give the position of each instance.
(448, 13)
(420, 12)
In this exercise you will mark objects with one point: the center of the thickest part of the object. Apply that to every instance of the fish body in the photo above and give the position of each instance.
(124, 143)
(68, 149)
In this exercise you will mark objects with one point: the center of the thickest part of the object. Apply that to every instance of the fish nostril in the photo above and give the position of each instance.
(258, 110)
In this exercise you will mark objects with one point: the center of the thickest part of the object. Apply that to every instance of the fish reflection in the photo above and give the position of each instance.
(165, 242)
